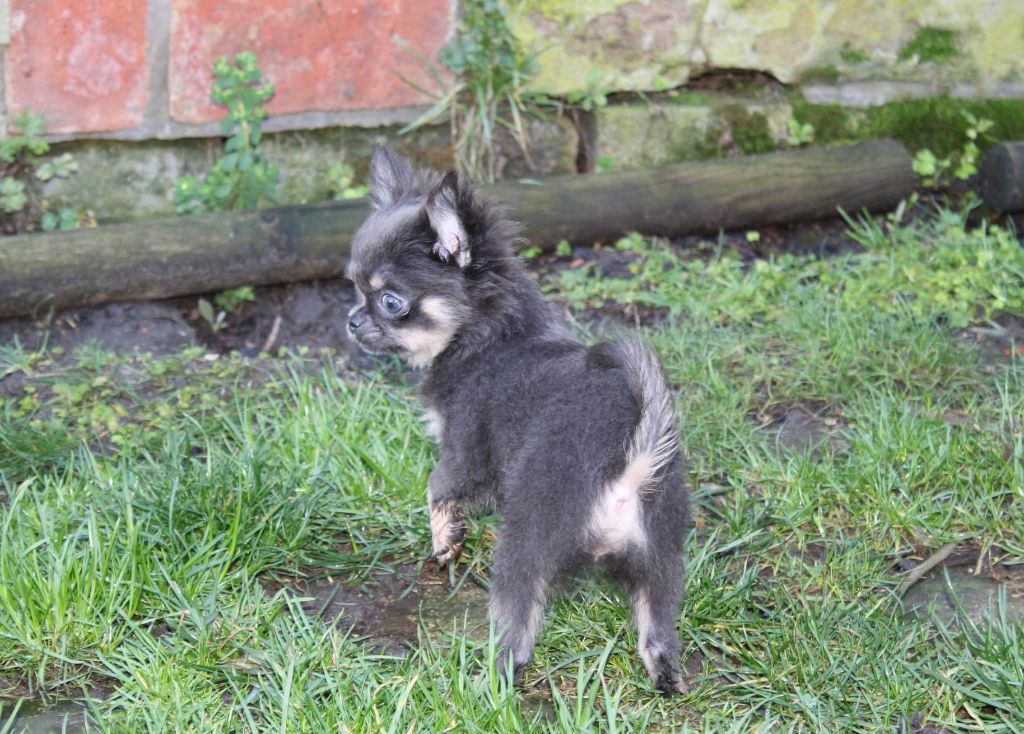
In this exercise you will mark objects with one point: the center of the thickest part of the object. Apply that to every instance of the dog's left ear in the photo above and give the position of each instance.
(390, 177)
(443, 212)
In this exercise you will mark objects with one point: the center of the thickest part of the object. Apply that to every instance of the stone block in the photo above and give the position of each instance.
(613, 44)
(783, 38)
(122, 181)
(320, 55)
(651, 45)
(80, 63)
(693, 127)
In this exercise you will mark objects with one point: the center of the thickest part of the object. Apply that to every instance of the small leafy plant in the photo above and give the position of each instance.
(593, 97)
(933, 269)
(227, 302)
(243, 178)
(491, 69)
(800, 133)
(340, 176)
(216, 319)
(22, 170)
(935, 172)
(232, 298)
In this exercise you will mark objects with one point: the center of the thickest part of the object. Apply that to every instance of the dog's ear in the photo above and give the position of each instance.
(443, 212)
(390, 176)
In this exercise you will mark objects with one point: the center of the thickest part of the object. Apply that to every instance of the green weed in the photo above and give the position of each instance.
(242, 178)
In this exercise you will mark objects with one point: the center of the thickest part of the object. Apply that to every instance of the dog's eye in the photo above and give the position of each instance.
(392, 303)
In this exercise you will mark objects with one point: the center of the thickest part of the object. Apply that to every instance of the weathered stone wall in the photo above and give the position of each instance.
(140, 69)
(850, 51)
(125, 84)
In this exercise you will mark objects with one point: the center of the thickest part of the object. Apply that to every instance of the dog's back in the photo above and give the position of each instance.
(580, 450)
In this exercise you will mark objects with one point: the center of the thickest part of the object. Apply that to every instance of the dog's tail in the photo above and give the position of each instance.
(655, 440)
(617, 519)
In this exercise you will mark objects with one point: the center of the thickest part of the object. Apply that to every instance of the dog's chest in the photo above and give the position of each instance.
(434, 422)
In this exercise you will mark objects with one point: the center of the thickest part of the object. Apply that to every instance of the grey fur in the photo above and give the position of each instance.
(576, 448)
(655, 434)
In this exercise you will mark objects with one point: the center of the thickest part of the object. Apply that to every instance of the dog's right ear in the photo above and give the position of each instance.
(443, 212)
(390, 176)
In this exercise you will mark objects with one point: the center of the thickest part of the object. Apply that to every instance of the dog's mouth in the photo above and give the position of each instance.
(375, 343)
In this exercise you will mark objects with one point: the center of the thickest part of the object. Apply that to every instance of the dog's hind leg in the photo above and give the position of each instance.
(518, 597)
(655, 585)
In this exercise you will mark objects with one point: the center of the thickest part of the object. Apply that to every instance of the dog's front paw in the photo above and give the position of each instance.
(447, 532)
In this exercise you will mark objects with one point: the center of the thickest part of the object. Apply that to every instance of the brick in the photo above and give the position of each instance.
(80, 63)
(321, 55)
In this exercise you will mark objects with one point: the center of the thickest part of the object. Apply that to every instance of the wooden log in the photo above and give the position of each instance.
(734, 193)
(1000, 179)
(174, 257)
(160, 259)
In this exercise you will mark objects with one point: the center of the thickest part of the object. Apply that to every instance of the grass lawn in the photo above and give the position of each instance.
(152, 512)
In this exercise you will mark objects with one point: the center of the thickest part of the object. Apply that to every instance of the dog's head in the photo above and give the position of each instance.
(418, 258)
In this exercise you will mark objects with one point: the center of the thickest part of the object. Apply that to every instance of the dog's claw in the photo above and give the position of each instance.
(448, 555)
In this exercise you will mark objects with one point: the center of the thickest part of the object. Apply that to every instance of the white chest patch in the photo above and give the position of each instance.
(435, 423)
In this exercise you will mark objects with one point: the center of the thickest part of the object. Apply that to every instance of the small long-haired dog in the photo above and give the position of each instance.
(575, 447)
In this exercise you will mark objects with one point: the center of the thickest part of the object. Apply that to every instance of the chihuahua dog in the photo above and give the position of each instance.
(575, 447)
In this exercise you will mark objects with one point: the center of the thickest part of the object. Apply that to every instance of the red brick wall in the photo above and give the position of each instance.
(141, 68)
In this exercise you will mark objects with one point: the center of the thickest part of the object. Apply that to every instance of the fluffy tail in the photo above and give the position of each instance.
(655, 439)
(617, 519)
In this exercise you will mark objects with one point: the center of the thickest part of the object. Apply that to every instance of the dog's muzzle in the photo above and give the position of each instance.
(356, 318)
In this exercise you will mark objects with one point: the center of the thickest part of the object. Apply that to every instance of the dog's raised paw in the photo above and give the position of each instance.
(447, 531)
(447, 555)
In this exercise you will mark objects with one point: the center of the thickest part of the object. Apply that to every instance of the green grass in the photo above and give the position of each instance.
(144, 504)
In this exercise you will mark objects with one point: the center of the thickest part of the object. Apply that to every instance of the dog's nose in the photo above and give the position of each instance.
(356, 319)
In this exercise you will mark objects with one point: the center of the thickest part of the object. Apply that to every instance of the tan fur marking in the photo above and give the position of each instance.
(376, 281)
(423, 344)
(447, 531)
(642, 614)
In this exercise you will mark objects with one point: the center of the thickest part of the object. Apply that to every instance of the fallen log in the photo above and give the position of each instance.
(1000, 179)
(174, 257)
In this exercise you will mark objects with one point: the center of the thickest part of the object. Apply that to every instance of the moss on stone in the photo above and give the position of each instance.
(754, 135)
(931, 44)
(749, 130)
(832, 123)
(828, 73)
(936, 123)
(852, 55)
